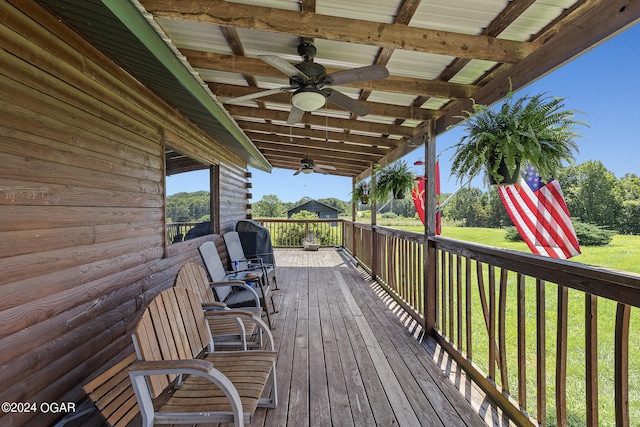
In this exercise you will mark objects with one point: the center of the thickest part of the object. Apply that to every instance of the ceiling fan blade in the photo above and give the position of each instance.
(318, 169)
(255, 95)
(295, 115)
(282, 65)
(327, 167)
(342, 100)
(362, 74)
(297, 172)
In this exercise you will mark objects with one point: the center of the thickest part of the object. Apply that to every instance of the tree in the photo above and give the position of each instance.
(630, 184)
(593, 194)
(468, 208)
(497, 216)
(269, 206)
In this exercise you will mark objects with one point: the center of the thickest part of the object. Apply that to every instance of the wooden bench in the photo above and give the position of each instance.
(178, 379)
(113, 395)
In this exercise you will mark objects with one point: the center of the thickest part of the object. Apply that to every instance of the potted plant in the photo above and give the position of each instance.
(395, 179)
(361, 193)
(533, 129)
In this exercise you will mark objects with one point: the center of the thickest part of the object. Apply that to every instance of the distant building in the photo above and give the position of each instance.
(323, 211)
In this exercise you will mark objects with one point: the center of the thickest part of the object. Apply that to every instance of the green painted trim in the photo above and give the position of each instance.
(131, 17)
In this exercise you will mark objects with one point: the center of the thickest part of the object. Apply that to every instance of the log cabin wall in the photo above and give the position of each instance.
(82, 228)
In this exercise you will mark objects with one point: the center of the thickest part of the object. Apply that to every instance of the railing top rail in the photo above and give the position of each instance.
(298, 220)
(608, 283)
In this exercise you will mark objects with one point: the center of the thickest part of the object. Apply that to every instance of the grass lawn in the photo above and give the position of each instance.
(623, 253)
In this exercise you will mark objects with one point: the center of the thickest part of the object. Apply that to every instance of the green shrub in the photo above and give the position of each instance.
(588, 234)
(591, 234)
(391, 215)
(513, 235)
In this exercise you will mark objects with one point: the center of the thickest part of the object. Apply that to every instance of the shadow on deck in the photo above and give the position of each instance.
(349, 356)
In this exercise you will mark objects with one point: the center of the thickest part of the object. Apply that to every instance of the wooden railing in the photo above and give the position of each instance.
(512, 320)
(176, 231)
(289, 233)
(547, 340)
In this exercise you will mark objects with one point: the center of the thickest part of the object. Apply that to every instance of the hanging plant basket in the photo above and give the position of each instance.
(533, 129)
(507, 176)
(394, 180)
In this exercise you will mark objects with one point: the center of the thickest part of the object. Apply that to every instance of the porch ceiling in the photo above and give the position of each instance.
(440, 55)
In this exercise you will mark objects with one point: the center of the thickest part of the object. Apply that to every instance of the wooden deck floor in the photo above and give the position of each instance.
(349, 356)
(346, 359)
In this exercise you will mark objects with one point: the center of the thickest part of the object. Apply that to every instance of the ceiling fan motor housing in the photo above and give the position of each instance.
(307, 50)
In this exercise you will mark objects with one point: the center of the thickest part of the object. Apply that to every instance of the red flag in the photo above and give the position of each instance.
(540, 214)
(418, 198)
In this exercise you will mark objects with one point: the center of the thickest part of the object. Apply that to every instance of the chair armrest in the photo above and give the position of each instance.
(201, 368)
(214, 306)
(255, 318)
(242, 285)
(164, 366)
(227, 283)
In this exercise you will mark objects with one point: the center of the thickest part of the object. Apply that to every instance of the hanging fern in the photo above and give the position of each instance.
(532, 129)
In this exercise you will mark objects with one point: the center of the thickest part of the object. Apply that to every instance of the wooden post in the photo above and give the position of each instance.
(430, 259)
(374, 237)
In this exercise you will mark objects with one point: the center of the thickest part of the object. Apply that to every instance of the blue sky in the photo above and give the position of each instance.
(603, 83)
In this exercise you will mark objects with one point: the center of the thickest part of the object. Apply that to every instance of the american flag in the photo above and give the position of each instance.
(540, 214)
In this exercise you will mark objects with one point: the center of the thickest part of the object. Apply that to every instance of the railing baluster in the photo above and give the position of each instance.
(541, 352)
(468, 306)
(459, 298)
(522, 342)
(451, 298)
(591, 354)
(561, 357)
(492, 322)
(502, 330)
(621, 386)
(443, 272)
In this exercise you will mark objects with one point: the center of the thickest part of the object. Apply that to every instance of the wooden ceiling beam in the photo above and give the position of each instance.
(373, 141)
(294, 164)
(245, 65)
(377, 109)
(309, 24)
(341, 147)
(275, 151)
(321, 121)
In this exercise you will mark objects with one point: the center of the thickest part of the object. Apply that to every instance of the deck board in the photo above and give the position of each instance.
(346, 359)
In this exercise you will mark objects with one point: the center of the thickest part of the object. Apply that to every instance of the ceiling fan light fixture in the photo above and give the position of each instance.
(308, 99)
(307, 170)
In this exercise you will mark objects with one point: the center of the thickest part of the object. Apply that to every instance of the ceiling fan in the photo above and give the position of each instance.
(308, 166)
(311, 85)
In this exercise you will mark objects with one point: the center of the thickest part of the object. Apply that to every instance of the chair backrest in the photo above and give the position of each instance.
(194, 277)
(234, 249)
(172, 327)
(213, 264)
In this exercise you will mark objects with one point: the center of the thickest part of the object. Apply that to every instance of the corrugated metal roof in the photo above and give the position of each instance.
(439, 53)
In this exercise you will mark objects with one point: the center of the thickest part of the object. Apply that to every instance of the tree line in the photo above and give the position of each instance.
(593, 194)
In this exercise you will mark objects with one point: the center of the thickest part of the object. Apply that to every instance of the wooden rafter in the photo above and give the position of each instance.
(307, 24)
(402, 105)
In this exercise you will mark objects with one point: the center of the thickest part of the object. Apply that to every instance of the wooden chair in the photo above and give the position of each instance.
(232, 289)
(179, 380)
(229, 328)
(113, 395)
(236, 254)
